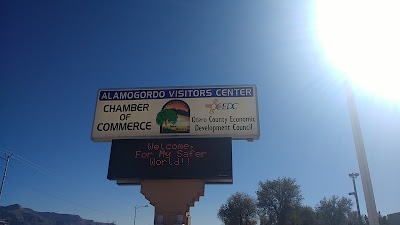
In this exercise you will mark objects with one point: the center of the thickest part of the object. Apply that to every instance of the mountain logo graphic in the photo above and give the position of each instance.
(174, 117)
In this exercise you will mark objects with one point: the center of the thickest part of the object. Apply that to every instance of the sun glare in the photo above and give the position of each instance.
(362, 40)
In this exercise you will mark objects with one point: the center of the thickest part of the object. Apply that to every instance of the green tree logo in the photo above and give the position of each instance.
(166, 117)
(174, 117)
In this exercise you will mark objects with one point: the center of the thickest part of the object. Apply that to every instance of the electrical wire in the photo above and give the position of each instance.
(76, 203)
(43, 170)
(27, 162)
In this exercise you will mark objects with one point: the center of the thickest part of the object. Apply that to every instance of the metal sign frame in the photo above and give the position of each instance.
(185, 112)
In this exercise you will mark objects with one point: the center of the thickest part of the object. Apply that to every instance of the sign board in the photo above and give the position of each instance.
(209, 159)
(196, 112)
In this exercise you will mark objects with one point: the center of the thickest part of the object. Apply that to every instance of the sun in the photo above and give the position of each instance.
(362, 40)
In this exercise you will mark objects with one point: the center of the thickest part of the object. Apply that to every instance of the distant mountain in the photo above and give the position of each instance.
(16, 215)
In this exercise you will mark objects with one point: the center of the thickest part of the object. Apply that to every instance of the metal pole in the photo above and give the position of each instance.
(353, 176)
(7, 159)
(137, 207)
(362, 159)
(134, 218)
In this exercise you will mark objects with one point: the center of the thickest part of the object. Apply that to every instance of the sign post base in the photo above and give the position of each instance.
(172, 199)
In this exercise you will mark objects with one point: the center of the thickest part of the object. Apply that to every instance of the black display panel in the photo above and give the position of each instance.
(185, 158)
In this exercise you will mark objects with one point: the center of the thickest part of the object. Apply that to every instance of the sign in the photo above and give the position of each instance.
(197, 112)
(188, 158)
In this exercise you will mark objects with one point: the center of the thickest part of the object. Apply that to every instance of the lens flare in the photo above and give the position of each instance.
(362, 40)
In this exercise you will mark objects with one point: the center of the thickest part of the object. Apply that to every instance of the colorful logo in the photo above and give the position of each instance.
(221, 106)
(174, 117)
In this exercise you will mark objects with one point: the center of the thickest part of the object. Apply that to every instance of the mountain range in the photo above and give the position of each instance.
(17, 215)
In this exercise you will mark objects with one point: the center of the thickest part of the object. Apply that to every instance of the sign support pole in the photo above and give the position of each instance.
(172, 199)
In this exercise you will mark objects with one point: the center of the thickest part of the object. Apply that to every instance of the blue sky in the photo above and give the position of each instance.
(55, 55)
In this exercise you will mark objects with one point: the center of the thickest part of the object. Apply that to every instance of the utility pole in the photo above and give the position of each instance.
(7, 159)
(353, 176)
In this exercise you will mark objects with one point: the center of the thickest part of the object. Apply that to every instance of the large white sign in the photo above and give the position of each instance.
(217, 111)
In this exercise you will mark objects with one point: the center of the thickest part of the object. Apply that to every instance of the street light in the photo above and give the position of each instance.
(360, 38)
(353, 176)
(138, 207)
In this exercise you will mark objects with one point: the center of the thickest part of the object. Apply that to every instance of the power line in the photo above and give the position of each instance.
(75, 203)
(43, 170)
(35, 167)
(28, 162)
(41, 191)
